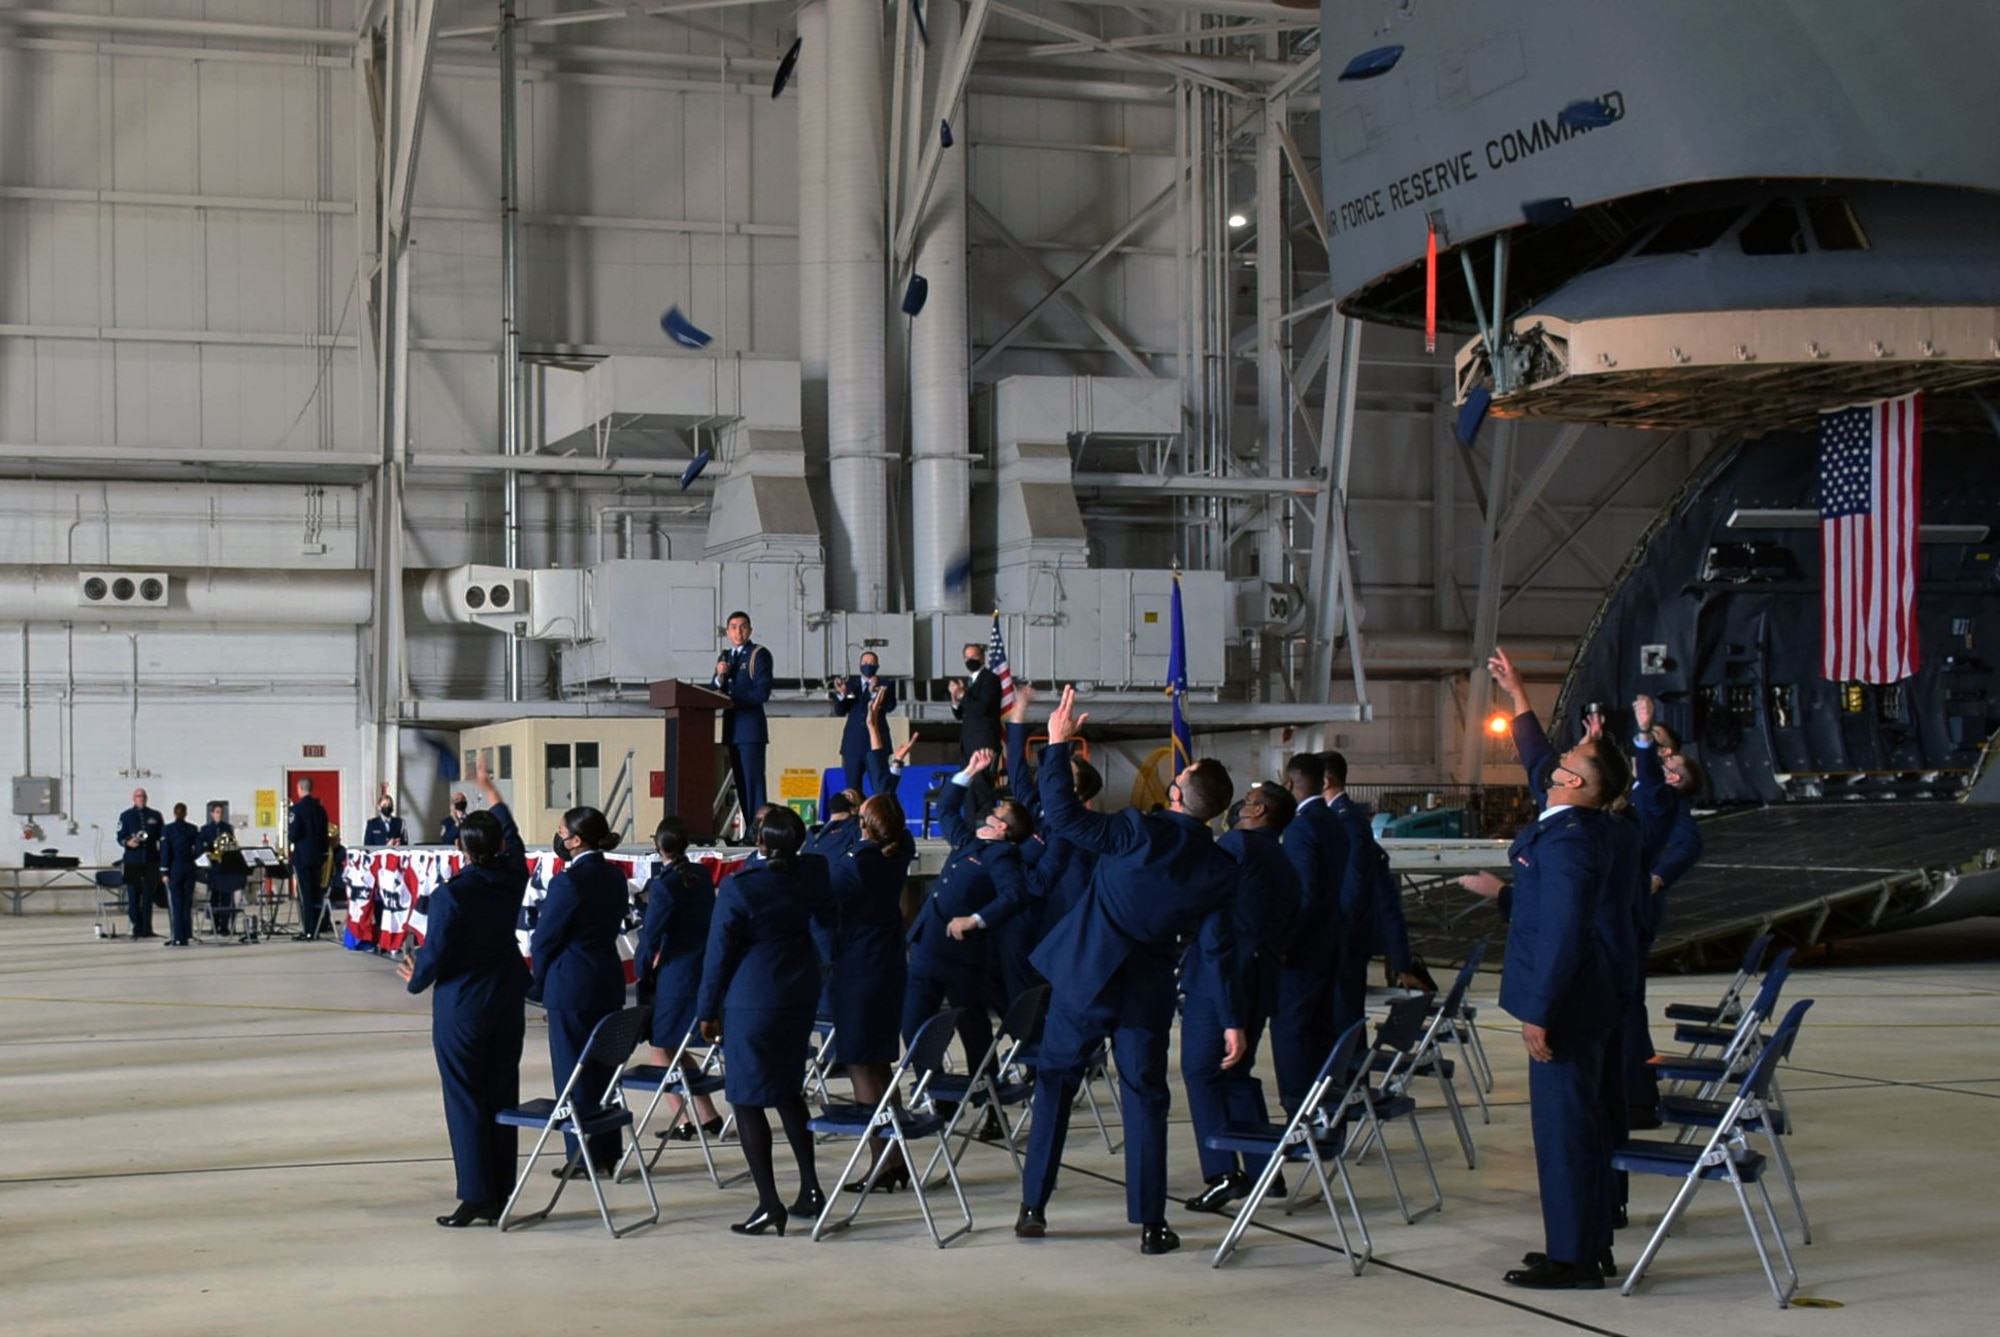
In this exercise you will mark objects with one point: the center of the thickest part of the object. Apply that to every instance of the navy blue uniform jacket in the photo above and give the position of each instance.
(760, 952)
(1159, 877)
(1554, 977)
(855, 740)
(981, 877)
(680, 902)
(747, 684)
(1317, 845)
(575, 943)
(180, 843)
(136, 821)
(382, 830)
(306, 831)
(1266, 905)
(470, 952)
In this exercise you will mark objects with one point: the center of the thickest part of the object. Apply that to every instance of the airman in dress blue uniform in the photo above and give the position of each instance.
(680, 901)
(743, 674)
(852, 700)
(578, 975)
(982, 875)
(180, 846)
(1302, 1031)
(473, 959)
(139, 830)
(1266, 903)
(1110, 965)
(307, 833)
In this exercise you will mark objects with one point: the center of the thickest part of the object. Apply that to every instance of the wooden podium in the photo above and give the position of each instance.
(691, 752)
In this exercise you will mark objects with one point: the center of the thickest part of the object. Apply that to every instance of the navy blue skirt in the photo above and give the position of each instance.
(764, 1053)
(673, 1017)
(868, 983)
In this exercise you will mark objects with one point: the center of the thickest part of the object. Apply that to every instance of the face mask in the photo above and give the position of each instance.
(974, 665)
(458, 808)
(867, 670)
(385, 809)
(1545, 775)
(557, 843)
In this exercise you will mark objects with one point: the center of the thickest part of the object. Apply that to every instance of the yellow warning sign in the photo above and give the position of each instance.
(798, 782)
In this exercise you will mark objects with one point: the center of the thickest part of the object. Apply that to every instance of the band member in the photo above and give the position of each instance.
(309, 844)
(139, 829)
(180, 843)
(227, 873)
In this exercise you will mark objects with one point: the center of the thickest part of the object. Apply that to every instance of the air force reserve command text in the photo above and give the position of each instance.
(1434, 179)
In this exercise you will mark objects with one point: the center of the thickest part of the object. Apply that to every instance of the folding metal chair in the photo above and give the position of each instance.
(996, 1082)
(1772, 1120)
(896, 1121)
(675, 1079)
(820, 1061)
(1376, 1096)
(1740, 1044)
(1726, 1155)
(611, 1042)
(1725, 1010)
(1317, 1134)
(1427, 1059)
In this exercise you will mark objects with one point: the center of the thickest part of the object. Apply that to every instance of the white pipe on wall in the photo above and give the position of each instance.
(857, 397)
(940, 369)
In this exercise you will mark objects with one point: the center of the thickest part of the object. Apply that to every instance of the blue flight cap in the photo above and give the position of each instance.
(684, 331)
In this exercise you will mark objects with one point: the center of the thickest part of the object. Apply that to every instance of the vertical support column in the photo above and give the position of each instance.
(1273, 271)
(857, 409)
(814, 74)
(1330, 579)
(940, 375)
(510, 322)
(1444, 514)
(1486, 613)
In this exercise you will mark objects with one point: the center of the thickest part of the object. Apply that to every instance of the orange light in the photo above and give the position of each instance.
(1498, 724)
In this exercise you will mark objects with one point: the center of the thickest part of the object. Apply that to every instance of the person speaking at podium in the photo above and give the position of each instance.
(743, 674)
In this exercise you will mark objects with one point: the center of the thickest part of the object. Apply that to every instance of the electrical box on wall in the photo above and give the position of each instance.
(37, 795)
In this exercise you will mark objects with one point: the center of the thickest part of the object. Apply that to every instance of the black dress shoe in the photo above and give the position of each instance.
(761, 1220)
(1031, 1224)
(1642, 1118)
(1220, 1193)
(1606, 1264)
(1158, 1237)
(684, 1132)
(1547, 1274)
(305, 937)
(991, 1129)
(1620, 1218)
(809, 1204)
(470, 1214)
(886, 1182)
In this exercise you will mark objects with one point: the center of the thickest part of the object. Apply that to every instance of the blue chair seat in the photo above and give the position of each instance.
(1679, 1069)
(1708, 1113)
(842, 1118)
(1701, 1014)
(536, 1114)
(653, 1077)
(919, 1125)
(1704, 1035)
(1651, 1157)
(1250, 1141)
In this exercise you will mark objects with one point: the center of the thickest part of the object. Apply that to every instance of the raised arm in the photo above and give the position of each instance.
(1062, 812)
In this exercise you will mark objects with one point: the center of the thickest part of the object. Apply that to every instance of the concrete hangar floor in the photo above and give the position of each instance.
(248, 1139)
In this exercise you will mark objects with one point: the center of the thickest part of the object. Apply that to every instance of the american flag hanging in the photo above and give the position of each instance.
(1870, 494)
(996, 663)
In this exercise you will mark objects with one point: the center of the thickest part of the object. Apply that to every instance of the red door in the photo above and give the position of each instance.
(326, 788)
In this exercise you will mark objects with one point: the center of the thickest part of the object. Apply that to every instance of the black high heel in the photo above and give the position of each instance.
(469, 1214)
(809, 1204)
(887, 1182)
(763, 1219)
(684, 1132)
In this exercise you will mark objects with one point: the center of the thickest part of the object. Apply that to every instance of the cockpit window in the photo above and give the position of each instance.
(1776, 230)
(1834, 225)
(1691, 232)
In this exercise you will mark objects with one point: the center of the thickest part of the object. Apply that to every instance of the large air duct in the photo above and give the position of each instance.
(259, 596)
(940, 373)
(857, 407)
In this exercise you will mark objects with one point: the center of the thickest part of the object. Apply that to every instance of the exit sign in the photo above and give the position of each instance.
(313, 750)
